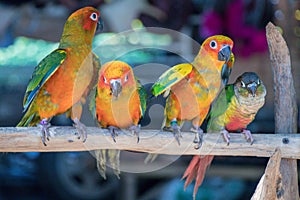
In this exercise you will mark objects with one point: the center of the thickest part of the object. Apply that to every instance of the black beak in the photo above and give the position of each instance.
(225, 73)
(99, 24)
(116, 87)
(224, 53)
(252, 88)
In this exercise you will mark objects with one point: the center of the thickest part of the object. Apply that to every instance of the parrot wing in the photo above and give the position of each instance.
(96, 66)
(221, 104)
(92, 105)
(171, 77)
(143, 97)
(93, 86)
(42, 72)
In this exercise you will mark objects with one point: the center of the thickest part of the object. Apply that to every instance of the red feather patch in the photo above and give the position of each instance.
(88, 24)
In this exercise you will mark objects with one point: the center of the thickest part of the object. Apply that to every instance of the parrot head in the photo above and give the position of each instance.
(219, 47)
(81, 25)
(114, 77)
(249, 85)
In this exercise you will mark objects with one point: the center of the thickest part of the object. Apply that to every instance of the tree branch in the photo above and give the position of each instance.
(27, 139)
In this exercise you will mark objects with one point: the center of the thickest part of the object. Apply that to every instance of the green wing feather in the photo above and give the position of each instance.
(143, 97)
(92, 105)
(93, 86)
(42, 72)
(96, 62)
(171, 77)
(221, 104)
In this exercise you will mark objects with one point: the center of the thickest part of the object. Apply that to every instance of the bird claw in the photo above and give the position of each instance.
(226, 136)
(81, 128)
(44, 124)
(248, 136)
(198, 137)
(136, 131)
(168, 129)
(113, 132)
(175, 129)
(177, 135)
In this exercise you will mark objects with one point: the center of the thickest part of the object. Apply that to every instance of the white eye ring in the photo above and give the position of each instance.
(94, 16)
(104, 79)
(243, 84)
(213, 44)
(126, 78)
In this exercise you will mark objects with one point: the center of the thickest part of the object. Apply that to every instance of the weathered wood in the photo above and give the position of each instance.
(23, 139)
(285, 104)
(284, 91)
(270, 186)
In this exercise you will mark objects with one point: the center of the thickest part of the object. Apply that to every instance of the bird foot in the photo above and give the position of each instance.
(226, 136)
(81, 128)
(113, 132)
(198, 136)
(177, 135)
(44, 124)
(175, 129)
(248, 136)
(136, 131)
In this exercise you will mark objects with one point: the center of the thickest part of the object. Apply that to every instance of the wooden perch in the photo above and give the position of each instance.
(23, 139)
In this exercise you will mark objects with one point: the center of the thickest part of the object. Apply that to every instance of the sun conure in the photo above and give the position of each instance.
(192, 87)
(61, 81)
(119, 103)
(234, 109)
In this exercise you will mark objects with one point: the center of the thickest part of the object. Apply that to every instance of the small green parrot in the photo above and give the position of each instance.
(190, 88)
(234, 109)
(63, 79)
(119, 103)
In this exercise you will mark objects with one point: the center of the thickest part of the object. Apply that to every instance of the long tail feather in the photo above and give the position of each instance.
(114, 159)
(101, 162)
(196, 170)
(150, 158)
(203, 164)
(190, 172)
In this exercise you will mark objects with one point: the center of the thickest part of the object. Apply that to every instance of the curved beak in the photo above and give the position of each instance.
(252, 87)
(225, 73)
(224, 53)
(115, 87)
(99, 24)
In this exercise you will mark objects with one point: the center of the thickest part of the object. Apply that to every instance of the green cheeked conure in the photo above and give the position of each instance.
(234, 109)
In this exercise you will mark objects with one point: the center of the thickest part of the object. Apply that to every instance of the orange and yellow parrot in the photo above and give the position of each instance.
(62, 80)
(119, 103)
(234, 108)
(192, 87)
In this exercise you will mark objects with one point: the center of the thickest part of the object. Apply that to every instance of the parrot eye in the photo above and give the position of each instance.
(243, 84)
(126, 78)
(104, 79)
(94, 16)
(213, 44)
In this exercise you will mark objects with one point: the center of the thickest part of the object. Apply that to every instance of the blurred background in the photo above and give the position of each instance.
(29, 30)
